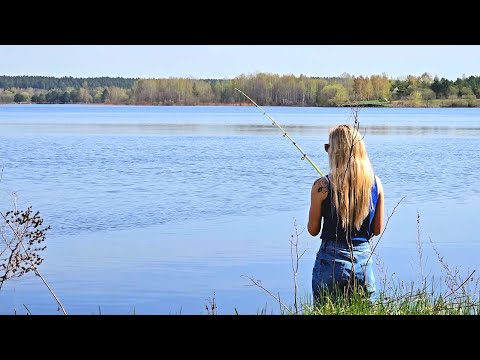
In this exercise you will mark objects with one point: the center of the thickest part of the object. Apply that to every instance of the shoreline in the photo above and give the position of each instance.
(394, 105)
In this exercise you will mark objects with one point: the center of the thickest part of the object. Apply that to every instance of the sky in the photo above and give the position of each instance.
(229, 61)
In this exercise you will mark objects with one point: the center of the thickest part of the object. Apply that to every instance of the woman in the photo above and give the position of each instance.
(350, 201)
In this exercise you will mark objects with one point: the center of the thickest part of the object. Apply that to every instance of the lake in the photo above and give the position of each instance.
(166, 210)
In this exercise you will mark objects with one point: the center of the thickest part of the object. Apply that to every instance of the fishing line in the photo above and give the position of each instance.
(305, 156)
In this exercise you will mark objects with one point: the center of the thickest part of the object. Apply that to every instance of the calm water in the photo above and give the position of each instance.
(158, 210)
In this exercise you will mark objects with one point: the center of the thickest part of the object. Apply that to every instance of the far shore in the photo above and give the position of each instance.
(444, 103)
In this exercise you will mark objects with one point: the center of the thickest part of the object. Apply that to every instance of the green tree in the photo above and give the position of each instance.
(39, 98)
(75, 96)
(440, 87)
(416, 98)
(381, 86)
(118, 95)
(65, 98)
(428, 95)
(333, 95)
(53, 97)
(84, 92)
(6, 96)
(20, 97)
(466, 92)
(105, 95)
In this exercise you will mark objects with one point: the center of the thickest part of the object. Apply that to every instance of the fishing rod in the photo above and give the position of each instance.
(305, 156)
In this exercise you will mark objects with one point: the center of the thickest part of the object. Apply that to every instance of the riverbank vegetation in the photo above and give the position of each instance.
(267, 89)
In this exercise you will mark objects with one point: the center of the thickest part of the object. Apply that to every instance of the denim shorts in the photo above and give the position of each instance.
(335, 270)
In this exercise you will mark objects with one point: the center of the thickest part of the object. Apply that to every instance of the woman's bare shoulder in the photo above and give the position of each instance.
(321, 184)
(379, 183)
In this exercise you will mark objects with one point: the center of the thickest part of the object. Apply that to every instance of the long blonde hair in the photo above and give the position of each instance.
(351, 176)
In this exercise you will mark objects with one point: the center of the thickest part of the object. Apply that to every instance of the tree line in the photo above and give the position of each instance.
(265, 88)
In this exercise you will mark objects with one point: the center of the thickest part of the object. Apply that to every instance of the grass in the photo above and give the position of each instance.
(370, 103)
(435, 103)
(402, 299)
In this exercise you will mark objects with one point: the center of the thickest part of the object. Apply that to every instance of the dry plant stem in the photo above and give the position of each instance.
(51, 291)
(9, 260)
(294, 265)
(12, 251)
(451, 278)
(382, 271)
(385, 228)
(295, 257)
(257, 283)
(355, 110)
(420, 249)
(33, 267)
(212, 309)
(463, 283)
(349, 242)
(410, 296)
(28, 310)
(295, 260)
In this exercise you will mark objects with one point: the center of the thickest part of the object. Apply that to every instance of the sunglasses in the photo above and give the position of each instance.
(326, 146)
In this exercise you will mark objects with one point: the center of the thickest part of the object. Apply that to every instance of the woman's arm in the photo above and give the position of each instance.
(377, 222)
(320, 189)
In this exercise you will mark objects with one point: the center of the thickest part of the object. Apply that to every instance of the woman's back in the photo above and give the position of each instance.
(349, 200)
(332, 229)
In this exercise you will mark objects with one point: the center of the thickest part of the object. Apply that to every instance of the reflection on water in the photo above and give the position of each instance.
(218, 120)
(225, 129)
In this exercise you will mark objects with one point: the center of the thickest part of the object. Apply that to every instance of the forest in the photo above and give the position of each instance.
(265, 88)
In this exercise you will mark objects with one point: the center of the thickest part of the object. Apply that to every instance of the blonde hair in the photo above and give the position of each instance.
(351, 176)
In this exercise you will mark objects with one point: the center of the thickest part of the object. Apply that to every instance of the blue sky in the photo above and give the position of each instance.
(228, 61)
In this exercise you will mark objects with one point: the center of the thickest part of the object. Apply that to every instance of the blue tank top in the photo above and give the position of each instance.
(332, 229)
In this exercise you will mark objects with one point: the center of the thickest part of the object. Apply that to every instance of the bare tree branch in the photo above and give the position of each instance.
(259, 284)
